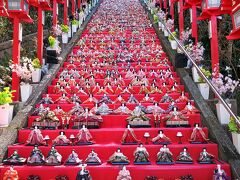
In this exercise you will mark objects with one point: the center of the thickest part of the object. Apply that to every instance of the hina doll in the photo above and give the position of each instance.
(182, 98)
(96, 88)
(53, 158)
(176, 118)
(93, 158)
(119, 99)
(171, 80)
(143, 89)
(59, 111)
(68, 89)
(166, 98)
(136, 81)
(220, 174)
(81, 92)
(147, 99)
(103, 109)
(132, 99)
(14, 159)
(141, 156)
(83, 136)
(48, 116)
(184, 157)
(138, 117)
(83, 174)
(56, 88)
(73, 159)
(92, 81)
(35, 137)
(11, 174)
(120, 80)
(123, 109)
(62, 90)
(129, 136)
(75, 99)
(76, 109)
(155, 90)
(119, 90)
(164, 88)
(90, 100)
(63, 99)
(46, 100)
(61, 140)
(145, 81)
(161, 138)
(105, 99)
(118, 158)
(170, 107)
(108, 89)
(36, 157)
(107, 80)
(198, 136)
(174, 89)
(124, 174)
(102, 90)
(189, 109)
(164, 156)
(205, 157)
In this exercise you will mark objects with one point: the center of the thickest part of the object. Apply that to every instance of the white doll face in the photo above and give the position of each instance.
(61, 133)
(118, 150)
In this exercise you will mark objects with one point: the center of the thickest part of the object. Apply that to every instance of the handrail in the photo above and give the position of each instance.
(203, 76)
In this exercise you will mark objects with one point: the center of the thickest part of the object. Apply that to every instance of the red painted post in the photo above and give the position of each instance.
(73, 7)
(161, 4)
(65, 11)
(194, 23)
(181, 17)
(214, 44)
(165, 4)
(172, 9)
(55, 16)
(40, 34)
(79, 4)
(16, 57)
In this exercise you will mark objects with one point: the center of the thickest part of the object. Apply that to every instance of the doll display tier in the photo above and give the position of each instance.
(118, 51)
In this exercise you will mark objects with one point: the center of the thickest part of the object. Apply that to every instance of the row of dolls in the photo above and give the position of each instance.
(141, 156)
(84, 137)
(123, 174)
(120, 99)
(138, 114)
(118, 89)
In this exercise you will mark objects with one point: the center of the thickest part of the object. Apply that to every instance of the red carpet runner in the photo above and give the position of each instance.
(119, 32)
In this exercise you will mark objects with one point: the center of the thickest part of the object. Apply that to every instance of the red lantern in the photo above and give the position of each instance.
(233, 8)
(20, 9)
(3, 8)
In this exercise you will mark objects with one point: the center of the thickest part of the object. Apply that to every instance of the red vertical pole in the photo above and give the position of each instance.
(55, 16)
(181, 18)
(40, 34)
(65, 16)
(214, 44)
(172, 9)
(165, 5)
(16, 57)
(161, 5)
(73, 7)
(194, 23)
(79, 4)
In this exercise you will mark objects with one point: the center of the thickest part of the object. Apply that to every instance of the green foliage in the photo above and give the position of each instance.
(6, 96)
(36, 63)
(233, 127)
(155, 18)
(51, 41)
(171, 37)
(207, 73)
(74, 22)
(64, 28)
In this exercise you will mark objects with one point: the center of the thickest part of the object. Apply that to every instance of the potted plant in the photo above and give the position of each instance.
(234, 128)
(24, 71)
(172, 41)
(202, 85)
(226, 87)
(74, 25)
(65, 30)
(36, 74)
(6, 110)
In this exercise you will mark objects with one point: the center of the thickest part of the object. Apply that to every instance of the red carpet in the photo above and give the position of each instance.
(109, 44)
